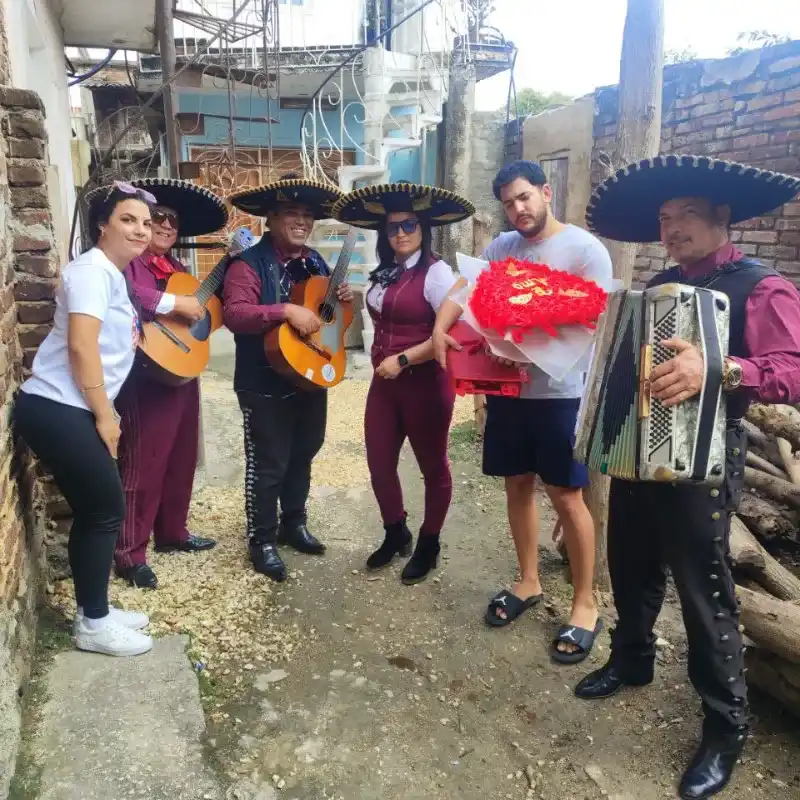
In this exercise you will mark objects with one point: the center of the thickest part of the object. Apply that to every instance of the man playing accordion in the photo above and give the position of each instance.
(689, 203)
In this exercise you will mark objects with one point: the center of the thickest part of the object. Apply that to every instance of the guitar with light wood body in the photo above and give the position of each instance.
(176, 351)
(318, 361)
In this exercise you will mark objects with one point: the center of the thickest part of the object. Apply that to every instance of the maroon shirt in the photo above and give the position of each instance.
(771, 372)
(148, 289)
(241, 298)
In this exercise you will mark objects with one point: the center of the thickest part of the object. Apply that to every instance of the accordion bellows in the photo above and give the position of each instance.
(623, 432)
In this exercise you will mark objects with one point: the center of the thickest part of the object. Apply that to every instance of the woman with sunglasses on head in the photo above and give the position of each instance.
(410, 396)
(65, 410)
(160, 423)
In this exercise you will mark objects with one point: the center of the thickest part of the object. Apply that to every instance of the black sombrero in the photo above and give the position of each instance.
(200, 211)
(625, 207)
(368, 207)
(319, 197)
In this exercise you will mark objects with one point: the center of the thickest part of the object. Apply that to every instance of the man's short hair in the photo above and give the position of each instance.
(529, 170)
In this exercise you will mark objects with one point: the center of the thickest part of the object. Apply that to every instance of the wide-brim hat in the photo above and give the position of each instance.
(200, 211)
(369, 207)
(319, 197)
(626, 206)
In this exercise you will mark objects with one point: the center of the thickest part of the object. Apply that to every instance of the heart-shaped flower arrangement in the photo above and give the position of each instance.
(518, 297)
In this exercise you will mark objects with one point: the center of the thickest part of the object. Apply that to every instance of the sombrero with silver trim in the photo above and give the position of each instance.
(201, 212)
(319, 197)
(369, 207)
(625, 207)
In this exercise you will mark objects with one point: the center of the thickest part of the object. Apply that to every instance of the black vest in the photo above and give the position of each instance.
(736, 279)
(253, 372)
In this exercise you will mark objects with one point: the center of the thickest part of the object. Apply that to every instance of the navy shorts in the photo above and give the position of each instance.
(526, 436)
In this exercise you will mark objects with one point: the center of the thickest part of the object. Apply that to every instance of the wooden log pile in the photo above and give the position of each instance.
(769, 517)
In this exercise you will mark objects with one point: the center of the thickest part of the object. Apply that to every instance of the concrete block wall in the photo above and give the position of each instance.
(745, 109)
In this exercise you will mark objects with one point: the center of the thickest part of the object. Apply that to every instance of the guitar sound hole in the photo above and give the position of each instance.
(201, 329)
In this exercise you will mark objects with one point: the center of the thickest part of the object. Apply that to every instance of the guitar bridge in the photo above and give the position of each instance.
(318, 349)
(171, 336)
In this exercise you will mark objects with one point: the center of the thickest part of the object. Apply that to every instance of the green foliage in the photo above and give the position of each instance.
(679, 56)
(530, 102)
(751, 40)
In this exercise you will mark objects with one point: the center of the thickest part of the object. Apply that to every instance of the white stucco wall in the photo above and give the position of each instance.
(36, 51)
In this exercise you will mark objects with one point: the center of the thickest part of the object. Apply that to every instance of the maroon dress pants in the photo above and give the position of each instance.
(417, 405)
(157, 461)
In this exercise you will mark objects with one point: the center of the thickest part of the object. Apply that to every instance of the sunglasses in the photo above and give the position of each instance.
(159, 216)
(408, 226)
(126, 188)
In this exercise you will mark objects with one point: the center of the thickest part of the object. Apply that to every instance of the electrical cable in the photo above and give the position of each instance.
(124, 132)
(93, 71)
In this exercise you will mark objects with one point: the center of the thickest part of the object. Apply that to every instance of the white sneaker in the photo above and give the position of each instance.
(112, 639)
(134, 620)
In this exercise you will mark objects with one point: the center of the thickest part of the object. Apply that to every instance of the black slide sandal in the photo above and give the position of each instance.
(579, 637)
(511, 604)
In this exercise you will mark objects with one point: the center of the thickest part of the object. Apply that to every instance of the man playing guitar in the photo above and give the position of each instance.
(284, 427)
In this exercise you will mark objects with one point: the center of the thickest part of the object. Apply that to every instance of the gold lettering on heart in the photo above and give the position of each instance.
(521, 299)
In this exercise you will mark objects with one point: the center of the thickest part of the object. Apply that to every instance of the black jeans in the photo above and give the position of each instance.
(686, 528)
(65, 440)
(281, 437)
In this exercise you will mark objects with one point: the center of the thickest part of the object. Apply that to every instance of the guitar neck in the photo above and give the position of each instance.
(342, 264)
(211, 282)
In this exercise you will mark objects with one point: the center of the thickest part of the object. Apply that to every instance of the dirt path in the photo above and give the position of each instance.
(340, 684)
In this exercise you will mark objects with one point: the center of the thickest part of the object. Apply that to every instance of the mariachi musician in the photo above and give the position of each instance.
(689, 203)
(284, 427)
(410, 396)
(160, 423)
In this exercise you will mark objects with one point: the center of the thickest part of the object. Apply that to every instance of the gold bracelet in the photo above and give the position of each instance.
(89, 388)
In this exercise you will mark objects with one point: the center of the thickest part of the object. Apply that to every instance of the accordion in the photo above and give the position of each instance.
(623, 432)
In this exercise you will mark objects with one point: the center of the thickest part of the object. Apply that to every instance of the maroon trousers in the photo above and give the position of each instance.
(157, 461)
(417, 405)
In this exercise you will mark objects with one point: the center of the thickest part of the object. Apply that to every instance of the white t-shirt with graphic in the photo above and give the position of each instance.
(91, 285)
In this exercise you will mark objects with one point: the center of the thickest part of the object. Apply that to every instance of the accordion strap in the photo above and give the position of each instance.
(712, 387)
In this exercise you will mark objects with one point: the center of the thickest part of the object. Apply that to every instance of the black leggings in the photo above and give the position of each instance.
(65, 439)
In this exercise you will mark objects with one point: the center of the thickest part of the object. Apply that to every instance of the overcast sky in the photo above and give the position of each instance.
(573, 46)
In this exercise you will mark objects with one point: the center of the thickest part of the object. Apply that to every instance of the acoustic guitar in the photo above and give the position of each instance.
(317, 361)
(175, 351)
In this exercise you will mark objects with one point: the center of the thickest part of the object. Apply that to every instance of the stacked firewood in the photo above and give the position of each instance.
(769, 514)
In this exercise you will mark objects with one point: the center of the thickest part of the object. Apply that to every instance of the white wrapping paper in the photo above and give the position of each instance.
(556, 355)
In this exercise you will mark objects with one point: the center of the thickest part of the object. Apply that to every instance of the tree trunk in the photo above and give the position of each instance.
(777, 489)
(779, 420)
(638, 137)
(775, 676)
(766, 519)
(752, 460)
(771, 624)
(765, 443)
(749, 556)
(791, 462)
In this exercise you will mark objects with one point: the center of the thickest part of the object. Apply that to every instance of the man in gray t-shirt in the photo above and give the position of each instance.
(534, 434)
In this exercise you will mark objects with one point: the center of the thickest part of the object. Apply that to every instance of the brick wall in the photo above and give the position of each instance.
(743, 109)
(28, 270)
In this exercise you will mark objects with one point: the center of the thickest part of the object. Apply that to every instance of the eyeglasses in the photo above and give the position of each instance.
(408, 226)
(127, 188)
(159, 216)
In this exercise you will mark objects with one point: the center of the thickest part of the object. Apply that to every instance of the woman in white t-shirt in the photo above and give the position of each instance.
(65, 410)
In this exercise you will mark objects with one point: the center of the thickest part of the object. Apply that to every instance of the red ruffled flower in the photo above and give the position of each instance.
(519, 297)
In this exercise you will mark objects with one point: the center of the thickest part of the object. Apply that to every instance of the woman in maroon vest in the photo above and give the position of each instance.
(410, 396)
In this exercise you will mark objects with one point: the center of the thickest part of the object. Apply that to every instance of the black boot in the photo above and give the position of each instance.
(297, 535)
(606, 681)
(713, 763)
(266, 560)
(397, 541)
(424, 559)
(139, 575)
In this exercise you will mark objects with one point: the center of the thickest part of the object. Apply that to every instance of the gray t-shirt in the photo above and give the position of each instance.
(571, 250)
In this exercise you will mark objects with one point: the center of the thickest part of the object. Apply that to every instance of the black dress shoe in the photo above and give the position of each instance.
(606, 681)
(713, 763)
(397, 541)
(299, 538)
(139, 575)
(265, 559)
(424, 559)
(194, 544)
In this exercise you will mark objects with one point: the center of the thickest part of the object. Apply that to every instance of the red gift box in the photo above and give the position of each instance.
(474, 371)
